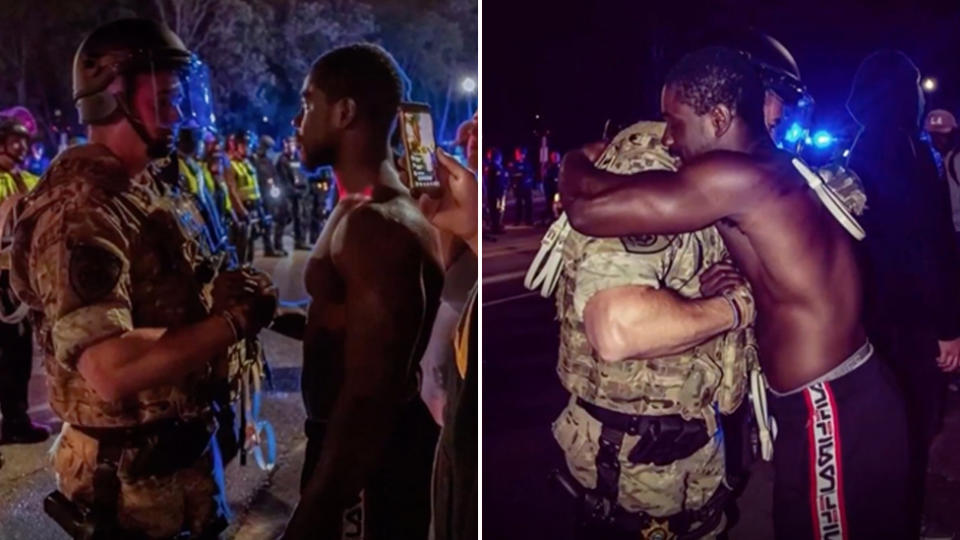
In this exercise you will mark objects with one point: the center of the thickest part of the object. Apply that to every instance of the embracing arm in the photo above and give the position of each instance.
(600, 203)
(635, 321)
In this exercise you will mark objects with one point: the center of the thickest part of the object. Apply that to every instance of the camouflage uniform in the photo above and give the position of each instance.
(695, 384)
(100, 254)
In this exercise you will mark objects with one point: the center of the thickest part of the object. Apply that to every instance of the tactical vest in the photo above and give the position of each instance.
(691, 383)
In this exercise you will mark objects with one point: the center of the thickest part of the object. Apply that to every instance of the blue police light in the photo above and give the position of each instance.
(822, 139)
(794, 134)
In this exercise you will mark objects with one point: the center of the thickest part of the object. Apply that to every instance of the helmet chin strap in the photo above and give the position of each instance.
(155, 149)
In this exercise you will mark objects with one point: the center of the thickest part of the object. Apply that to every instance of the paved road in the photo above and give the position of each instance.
(260, 501)
(522, 396)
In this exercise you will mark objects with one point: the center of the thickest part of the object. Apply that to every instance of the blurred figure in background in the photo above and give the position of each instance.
(37, 162)
(550, 174)
(942, 127)
(496, 181)
(521, 181)
(16, 344)
(910, 259)
(273, 191)
(294, 183)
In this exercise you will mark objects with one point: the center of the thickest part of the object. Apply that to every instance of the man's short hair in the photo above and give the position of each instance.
(368, 74)
(715, 76)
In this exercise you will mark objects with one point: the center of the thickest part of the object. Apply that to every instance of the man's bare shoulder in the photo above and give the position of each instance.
(723, 172)
(723, 162)
(384, 230)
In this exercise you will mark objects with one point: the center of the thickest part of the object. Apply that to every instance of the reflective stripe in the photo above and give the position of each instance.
(826, 475)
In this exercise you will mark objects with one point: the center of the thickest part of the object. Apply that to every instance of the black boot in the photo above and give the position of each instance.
(23, 432)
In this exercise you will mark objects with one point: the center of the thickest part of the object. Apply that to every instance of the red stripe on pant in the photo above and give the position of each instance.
(826, 474)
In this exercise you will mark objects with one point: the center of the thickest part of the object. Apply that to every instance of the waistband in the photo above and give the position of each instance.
(855, 360)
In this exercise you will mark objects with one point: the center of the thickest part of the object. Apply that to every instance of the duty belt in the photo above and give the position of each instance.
(663, 439)
(168, 445)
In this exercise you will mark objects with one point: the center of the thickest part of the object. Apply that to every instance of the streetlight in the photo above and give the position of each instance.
(468, 85)
(929, 84)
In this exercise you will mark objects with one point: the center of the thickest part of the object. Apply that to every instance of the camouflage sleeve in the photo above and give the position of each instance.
(611, 266)
(81, 274)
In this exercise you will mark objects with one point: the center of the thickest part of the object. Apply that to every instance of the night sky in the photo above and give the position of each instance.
(578, 67)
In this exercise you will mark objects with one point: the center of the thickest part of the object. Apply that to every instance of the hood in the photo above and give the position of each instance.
(886, 90)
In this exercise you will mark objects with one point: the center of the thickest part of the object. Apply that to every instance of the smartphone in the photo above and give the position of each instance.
(419, 145)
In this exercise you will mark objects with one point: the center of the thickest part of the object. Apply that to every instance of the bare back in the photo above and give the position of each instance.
(801, 265)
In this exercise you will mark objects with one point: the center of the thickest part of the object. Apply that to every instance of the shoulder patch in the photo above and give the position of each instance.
(94, 272)
(646, 243)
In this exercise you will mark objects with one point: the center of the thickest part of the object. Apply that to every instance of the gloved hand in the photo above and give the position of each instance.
(247, 297)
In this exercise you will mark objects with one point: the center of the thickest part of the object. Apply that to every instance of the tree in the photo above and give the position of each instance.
(308, 29)
(435, 47)
(39, 39)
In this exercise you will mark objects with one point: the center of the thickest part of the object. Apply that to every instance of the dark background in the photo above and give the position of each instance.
(577, 66)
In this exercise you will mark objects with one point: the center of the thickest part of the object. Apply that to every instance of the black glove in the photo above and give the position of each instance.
(247, 297)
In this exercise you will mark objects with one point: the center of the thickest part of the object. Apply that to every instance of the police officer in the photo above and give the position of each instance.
(37, 162)
(135, 343)
(244, 176)
(521, 181)
(550, 174)
(216, 166)
(641, 431)
(945, 136)
(294, 183)
(200, 188)
(16, 350)
(275, 194)
(322, 197)
(496, 180)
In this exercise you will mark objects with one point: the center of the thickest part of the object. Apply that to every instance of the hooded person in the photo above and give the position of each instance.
(909, 258)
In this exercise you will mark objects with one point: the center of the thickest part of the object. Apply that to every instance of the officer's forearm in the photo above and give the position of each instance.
(634, 322)
(144, 358)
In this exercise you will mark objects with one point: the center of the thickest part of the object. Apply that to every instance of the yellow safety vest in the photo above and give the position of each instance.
(212, 187)
(189, 174)
(246, 180)
(8, 185)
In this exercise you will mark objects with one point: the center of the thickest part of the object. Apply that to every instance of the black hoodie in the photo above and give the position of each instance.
(910, 258)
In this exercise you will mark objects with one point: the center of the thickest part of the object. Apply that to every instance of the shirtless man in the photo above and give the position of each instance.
(841, 451)
(375, 280)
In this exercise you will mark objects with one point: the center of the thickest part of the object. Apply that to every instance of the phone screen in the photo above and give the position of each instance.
(419, 144)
